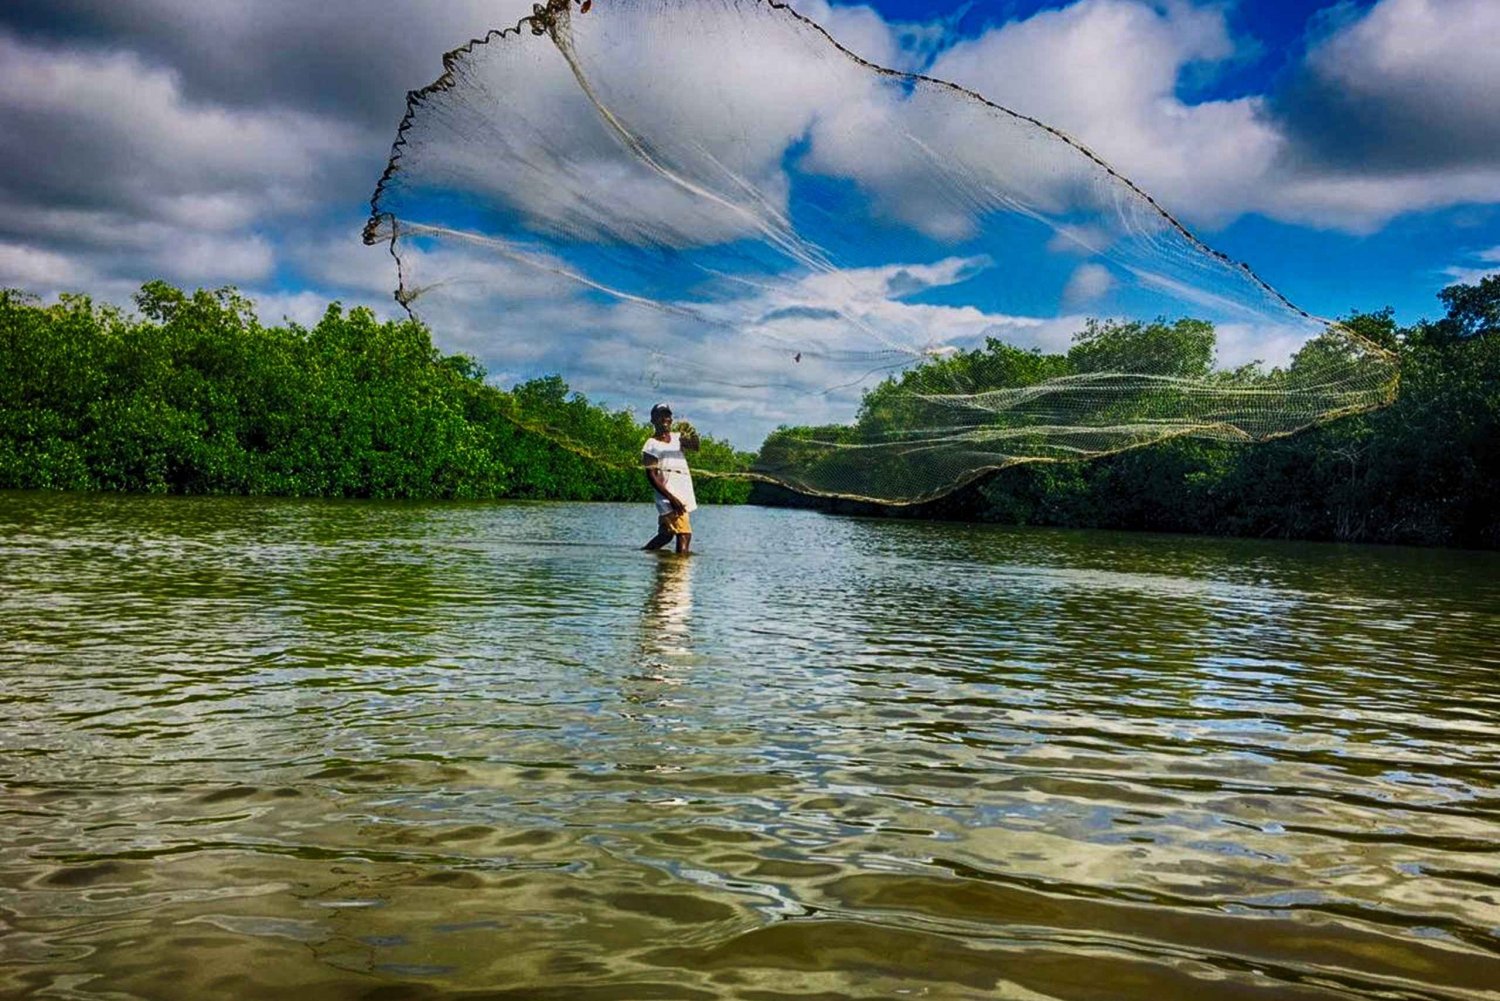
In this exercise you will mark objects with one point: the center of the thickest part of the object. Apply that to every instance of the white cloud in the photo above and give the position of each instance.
(1393, 112)
(129, 178)
(864, 32)
(27, 267)
(1482, 265)
(1106, 71)
(206, 258)
(217, 211)
(1363, 204)
(708, 134)
(1427, 68)
(1087, 283)
(1245, 344)
(305, 308)
(110, 107)
(121, 244)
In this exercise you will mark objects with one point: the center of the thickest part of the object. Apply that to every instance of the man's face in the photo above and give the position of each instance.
(662, 421)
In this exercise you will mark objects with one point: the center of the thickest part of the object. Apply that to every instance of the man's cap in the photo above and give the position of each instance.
(660, 408)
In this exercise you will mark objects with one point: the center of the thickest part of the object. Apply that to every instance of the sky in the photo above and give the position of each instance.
(1349, 151)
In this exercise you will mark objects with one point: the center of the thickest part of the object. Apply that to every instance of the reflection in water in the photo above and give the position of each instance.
(668, 614)
(282, 749)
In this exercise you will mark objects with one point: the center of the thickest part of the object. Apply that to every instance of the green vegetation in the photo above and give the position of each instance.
(193, 395)
(196, 396)
(1424, 471)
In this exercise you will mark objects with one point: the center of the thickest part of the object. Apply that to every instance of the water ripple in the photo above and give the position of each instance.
(253, 748)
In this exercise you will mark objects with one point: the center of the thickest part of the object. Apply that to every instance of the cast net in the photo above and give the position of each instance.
(885, 282)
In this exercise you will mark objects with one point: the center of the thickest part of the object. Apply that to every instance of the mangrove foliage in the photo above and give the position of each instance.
(194, 395)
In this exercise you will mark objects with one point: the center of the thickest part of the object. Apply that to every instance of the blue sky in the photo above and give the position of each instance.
(1349, 151)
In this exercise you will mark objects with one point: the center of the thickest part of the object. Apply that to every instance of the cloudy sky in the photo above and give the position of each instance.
(1349, 150)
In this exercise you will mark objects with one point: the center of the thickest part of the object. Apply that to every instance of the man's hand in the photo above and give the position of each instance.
(678, 507)
(688, 435)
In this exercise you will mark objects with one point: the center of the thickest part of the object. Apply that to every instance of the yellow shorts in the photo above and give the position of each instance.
(674, 522)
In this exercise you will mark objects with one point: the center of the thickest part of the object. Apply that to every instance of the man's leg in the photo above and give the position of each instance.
(683, 526)
(663, 535)
(661, 538)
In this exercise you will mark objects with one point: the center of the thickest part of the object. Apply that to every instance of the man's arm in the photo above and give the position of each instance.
(659, 483)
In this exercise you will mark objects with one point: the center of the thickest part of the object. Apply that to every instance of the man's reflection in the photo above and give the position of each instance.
(665, 645)
(666, 624)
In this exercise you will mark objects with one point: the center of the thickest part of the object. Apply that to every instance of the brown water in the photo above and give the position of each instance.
(324, 750)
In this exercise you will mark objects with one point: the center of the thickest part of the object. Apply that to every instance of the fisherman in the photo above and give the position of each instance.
(667, 470)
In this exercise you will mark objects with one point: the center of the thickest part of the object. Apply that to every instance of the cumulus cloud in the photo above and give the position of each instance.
(304, 308)
(204, 142)
(339, 58)
(864, 32)
(1411, 85)
(27, 267)
(121, 244)
(106, 127)
(1088, 283)
(209, 116)
(1248, 344)
(1392, 112)
(1106, 72)
(129, 177)
(1479, 266)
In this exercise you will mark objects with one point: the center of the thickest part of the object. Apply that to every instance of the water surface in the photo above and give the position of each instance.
(268, 749)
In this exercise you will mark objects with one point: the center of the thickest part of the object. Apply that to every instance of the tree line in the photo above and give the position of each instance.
(1423, 471)
(194, 395)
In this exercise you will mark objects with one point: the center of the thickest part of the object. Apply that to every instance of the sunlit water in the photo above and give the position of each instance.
(341, 750)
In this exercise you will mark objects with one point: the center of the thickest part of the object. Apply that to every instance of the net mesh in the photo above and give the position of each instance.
(881, 279)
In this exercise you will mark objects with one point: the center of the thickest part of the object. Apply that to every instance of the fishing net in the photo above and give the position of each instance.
(882, 280)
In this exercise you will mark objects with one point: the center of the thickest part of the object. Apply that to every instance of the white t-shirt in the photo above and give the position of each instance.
(674, 471)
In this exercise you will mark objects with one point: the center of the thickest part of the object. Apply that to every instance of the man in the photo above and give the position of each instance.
(667, 470)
